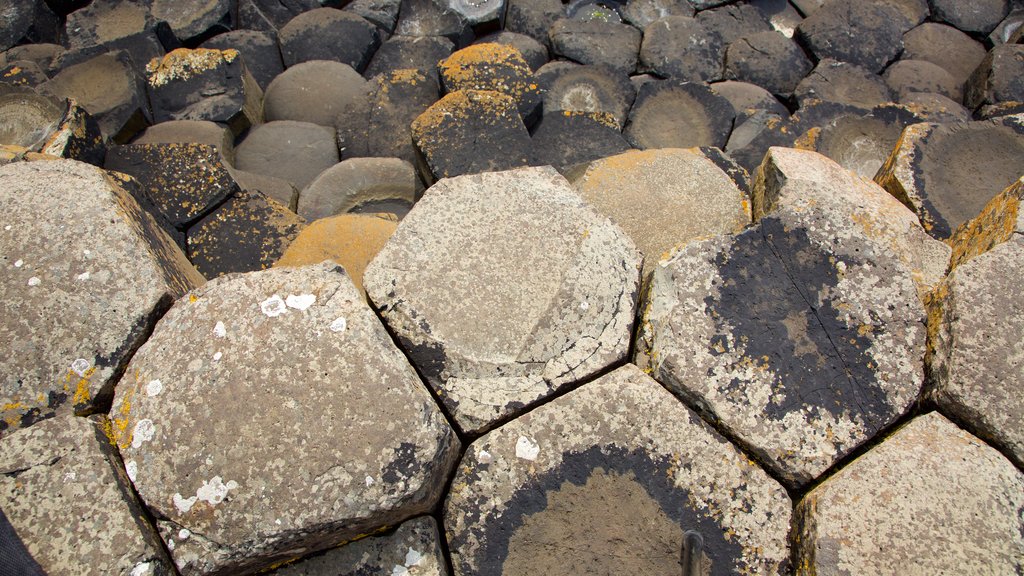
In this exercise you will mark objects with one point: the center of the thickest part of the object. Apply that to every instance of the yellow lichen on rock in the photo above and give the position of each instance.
(183, 63)
(995, 224)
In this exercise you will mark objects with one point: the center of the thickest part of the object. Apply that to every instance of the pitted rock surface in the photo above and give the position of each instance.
(800, 336)
(931, 497)
(344, 439)
(504, 288)
(609, 479)
(69, 320)
(63, 490)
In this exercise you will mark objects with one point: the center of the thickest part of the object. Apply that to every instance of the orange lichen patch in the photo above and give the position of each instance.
(410, 76)
(808, 140)
(81, 397)
(604, 118)
(994, 225)
(488, 66)
(461, 105)
(15, 70)
(183, 63)
(120, 417)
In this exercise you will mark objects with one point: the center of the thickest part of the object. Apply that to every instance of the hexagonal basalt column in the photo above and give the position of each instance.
(503, 288)
(270, 415)
(616, 477)
(801, 336)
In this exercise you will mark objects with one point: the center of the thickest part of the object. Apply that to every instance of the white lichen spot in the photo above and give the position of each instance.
(183, 504)
(215, 490)
(217, 356)
(144, 432)
(154, 388)
(369, 481)
(184, 534)
(80, 366)
(584, 305)
(413, 557)
(300, 302)
(8, 227)
(399, 570)
(86, 252)
(19, 263)
(132, 469)
(83, 276)
(527, 449)
(219, 330)
(339, 324)
(170, 544)
(34, 281)
(484, 457)
(70, 477)
(273, 306)
(142, 569)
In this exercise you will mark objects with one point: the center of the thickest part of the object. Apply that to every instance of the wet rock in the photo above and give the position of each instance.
(980, 16)
(576, 88)
(259, 50)
(680, 47)
(293, 151)
(867, 34)
(247, 232)
(944, 46)
(905, 76)
(108, 88)
(643, 13)
(596, 42)
(495, 67)
(928, 170)
(360, 185)
(797, 179)
(565, 139)
(316, 92)
(470, 131)
(63, 490)
(352, 240)
(769, 60)
(380, 124)
(328, 34)
(533, 18)
(929, 471)
(410, 52)
(535, 53)
(22, 73)
(773, 334)
(413, 550)
(225, 495)
(204, 84)
(74, 237)
(843, 83)
(191, 132)
(552, 296)
(191, 20)
(731, 22)
(433, 18)
(184, 181)
(664, 199)
(678, 115)
(282, 191)
(15, 21)
(999, 78)
(615, 476)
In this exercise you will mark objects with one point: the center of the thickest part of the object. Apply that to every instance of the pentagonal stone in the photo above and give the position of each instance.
(88, 273)
(247, 232)
(769, 60)
(904, 76)
(184, 181)
(615, 477)
(412, 549)
(62, 488)
(404, 52)
(204, 84)
(797, 179)
(641, 13)
(566, 139)
(979, 16)
(535, 53)
(300, 344)
(679, 47)
(328, 34)
(316, 91)
(432, 18)
(774, 334)
(190, 20)
(259, 50)
(998, 78)
(732, 21)
(678, 115)
(533, 17)
(946, 173)
(471, 131)
(360, 185)
(664, 199)
(494, 67)
(525, 290)
(598, 89)
(293, 151)
(863, 33)
(191, 132)
(596, 42)
(381, 13)
(945, 46)
(843, 83)
(379, 124)
(905, 501)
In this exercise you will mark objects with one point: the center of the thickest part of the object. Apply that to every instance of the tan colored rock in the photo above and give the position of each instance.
(360, 185)
(1001, 218)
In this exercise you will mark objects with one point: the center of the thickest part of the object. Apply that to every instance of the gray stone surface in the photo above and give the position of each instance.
(576, 88)
(976, 16)
(800, 336)
(190, 132)
(844, 83)
(360, 185)
(864, 33)
(259, 50)
(535, 53)
(328, 34)
(944, 46)
(64, 491)
(999, 78)
(293, 151)
(411, 550)
(522, 290)
(667, 114)
(861, 141)
(905, 76)
(346, 439)
(769, 60)
(190, 18)
(931, 499)
(680, 47)
(280, 190)
(70, 320)
(315, 91)
(641, 13)
(596, 42)
(611, 479)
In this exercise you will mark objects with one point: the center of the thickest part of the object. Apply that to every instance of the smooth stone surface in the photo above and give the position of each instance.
(612, 478)
(843, 83)
(360, 185)
(598, 89)
(596, 42)
(224, 487)
(905, 76)
(680, 47)
(905, 501)
(935, 107)
(328, 34)
(315, 91)
(280, 190)
(293, 151)
(64, 491)
(748, 98)
(70, 320)
(944, 46)
(28, 118)
(668, 114)
(526, 290)
(863, 33)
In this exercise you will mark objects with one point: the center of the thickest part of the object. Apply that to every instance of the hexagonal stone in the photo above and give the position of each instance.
(315, 91)
(801, 336)
(615, 477)
(668, 114)
(328, 34)
(998, 77)
(908, 500)
(522, 290)
(64, 491)
(867, 34)
(237, 494)
(842, 82)
(87, 273)
(360, 185)
(767, 59)
(490, 66)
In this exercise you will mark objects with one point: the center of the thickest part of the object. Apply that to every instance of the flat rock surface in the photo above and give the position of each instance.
(668, 114)
(844, 83)
(680, 47)
(287, 149)
(363, 185)
(238, 494)
(70, 321)
(907, 499)
(613, 478)
(863, 33)
(523, 290)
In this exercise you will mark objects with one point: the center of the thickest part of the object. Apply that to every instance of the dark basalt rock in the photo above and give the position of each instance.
(271, 15)
(905, 76)
(980, 16)
(22, 73)
(863, 33)
(409, 52)
(642, 13)
(680, 47)
(259, 50)
(769, 60)
(316, 91)
(192, 21)
(328, 34)
(669, 114)
(43, 123)
(433, 18)
(565, 139)
(579, 88)
(596, 42)
(381, 13)
(999, 78)
(293, 151)
(731, 22)
(842, 83)
(944, 46)
(16, 19)
(535, 53)
(533, 18)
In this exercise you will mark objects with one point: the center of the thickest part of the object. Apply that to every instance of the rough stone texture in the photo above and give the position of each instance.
(55, 126)
(998, 221)
(678, 115)
(191, 132)
(409, 52)
(596, 42)
(1009, 30)
(494, 67)
(782, 16)
(664, 199)
(381, 13)
(535, 53)
(42, 54)
(105, 21)
(432, 18)
(904, 503)
(479, 14)
(270, 15)
(999, 77)
(979, 16)
(63, 490)
(293, 151)
(801, 336)
(15, 21)
(905, 76)
(944, 46)
(566, 139)
(259, 50)
(191, 19)
(352, 240)
(380, 124)
(769, 60)
(798, 179)
(935, 107)
(598, 89)
(844, 83)
(533, 17)
(863, 33)
(411, 550)
(69, 318)
(612, 478)
(22, 73)
(947, 173)
(732, 21)
(642, 13)
(238, 494)
(360, 185)
(680, 47)
(525, 290)
(280, 190)
(328, 34)
(316, 91)
(861, 141)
